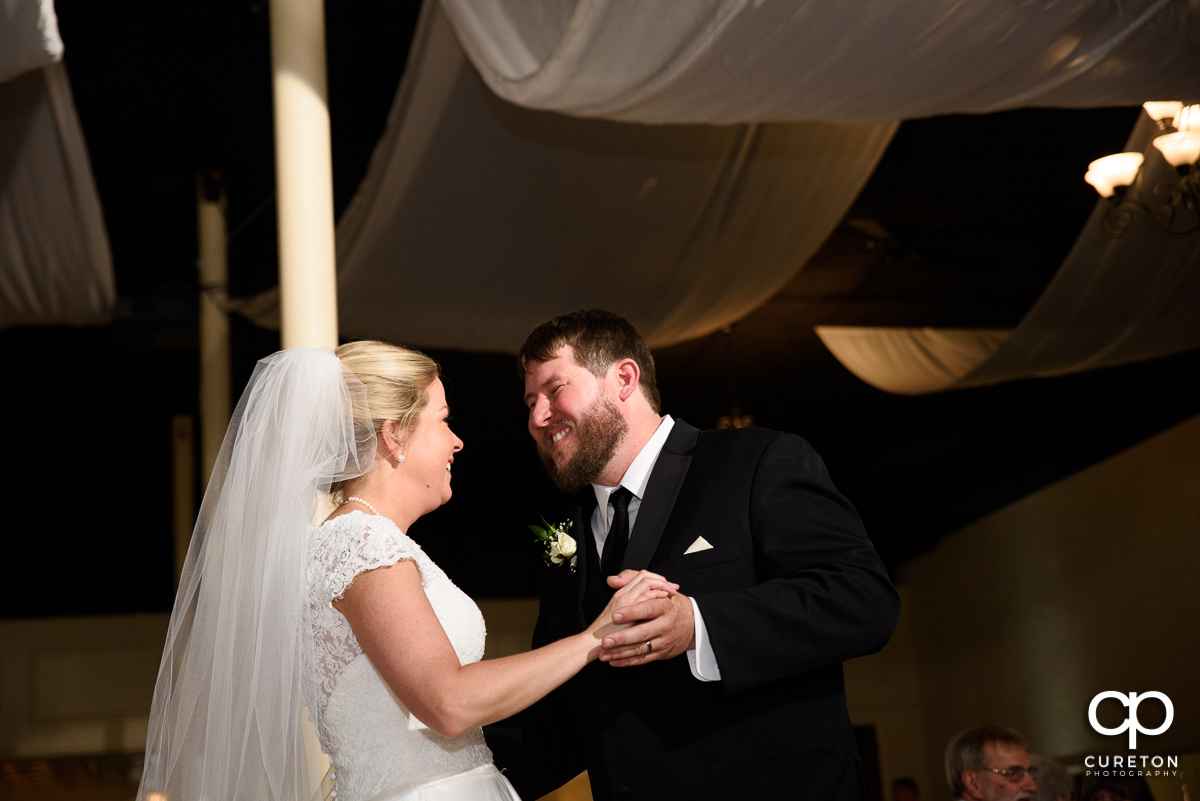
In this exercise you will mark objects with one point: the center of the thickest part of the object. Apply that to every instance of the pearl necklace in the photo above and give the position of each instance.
(374, 511)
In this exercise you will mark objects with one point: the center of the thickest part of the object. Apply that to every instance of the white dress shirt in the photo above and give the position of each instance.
(701, 659)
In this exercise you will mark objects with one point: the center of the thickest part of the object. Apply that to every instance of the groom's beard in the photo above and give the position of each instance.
(599, 430)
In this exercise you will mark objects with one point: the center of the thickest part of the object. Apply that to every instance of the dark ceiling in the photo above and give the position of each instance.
(963, 224)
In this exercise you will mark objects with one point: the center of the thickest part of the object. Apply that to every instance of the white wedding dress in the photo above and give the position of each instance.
(378, 750)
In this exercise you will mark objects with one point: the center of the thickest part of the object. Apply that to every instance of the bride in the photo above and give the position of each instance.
(350, 617)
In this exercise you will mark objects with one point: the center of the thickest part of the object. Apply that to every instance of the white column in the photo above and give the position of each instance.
(183, 459)
(304, 192)
(304, 175)
(216, 405)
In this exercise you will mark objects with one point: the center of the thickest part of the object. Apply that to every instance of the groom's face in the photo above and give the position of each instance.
(576, 425)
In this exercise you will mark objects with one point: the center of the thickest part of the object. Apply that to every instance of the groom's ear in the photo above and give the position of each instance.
(627, 374)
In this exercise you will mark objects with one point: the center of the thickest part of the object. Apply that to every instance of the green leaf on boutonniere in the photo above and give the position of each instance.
(560, 547)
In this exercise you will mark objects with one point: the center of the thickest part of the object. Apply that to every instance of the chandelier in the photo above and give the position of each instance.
(1172, 206)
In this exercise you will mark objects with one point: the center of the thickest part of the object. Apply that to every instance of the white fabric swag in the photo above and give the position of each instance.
(55, 265)
(727, 61)
(1113, 301)
(910, 361)
(479, 219)
(29, 37)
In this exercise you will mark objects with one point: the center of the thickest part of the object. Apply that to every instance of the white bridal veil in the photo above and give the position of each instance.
(226, 722)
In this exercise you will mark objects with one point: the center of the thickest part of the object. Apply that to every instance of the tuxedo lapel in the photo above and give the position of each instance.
(584, 539)
(661, 491)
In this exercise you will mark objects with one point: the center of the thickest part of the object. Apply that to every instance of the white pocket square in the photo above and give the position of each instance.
(700, 544)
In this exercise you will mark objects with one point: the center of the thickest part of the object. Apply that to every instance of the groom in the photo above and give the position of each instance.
(733, 688)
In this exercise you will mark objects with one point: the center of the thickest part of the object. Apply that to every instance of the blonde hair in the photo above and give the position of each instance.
(395, 379)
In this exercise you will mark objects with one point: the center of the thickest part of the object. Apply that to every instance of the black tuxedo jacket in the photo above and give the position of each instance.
(790, 588)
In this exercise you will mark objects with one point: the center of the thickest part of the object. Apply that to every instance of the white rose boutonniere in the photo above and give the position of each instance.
(559, 544)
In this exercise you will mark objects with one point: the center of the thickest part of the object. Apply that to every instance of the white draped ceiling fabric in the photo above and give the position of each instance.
(1113, 301)
(911, 361)
(760, 121)
(512, 183)
(722, 61)
(478, 219)
(55, 263)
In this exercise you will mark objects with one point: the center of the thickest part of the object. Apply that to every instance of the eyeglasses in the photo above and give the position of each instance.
(1014, 774)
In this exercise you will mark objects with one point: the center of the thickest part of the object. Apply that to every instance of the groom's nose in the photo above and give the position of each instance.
(539, 414)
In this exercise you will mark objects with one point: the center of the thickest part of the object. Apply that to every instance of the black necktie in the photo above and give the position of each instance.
(618, 534)
(598, 592)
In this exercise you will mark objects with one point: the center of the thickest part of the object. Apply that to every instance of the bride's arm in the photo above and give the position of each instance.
(399, 632)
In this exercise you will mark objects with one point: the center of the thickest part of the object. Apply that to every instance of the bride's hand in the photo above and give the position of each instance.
(632, 587)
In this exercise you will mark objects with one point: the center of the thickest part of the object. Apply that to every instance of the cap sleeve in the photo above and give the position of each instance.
(352, 544)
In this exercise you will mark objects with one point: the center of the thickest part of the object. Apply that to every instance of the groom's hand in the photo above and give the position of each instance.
(667, 624)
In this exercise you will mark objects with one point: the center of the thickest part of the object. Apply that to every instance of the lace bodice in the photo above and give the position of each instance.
(373, 741)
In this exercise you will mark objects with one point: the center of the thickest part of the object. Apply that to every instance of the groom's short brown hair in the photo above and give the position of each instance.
(599, 339)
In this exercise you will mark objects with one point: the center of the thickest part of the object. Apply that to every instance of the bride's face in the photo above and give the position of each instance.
(430, 452)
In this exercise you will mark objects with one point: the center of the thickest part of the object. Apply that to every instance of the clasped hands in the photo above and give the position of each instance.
(652, 620)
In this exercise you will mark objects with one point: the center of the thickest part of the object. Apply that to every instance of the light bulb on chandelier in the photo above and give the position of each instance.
(1172, 206)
